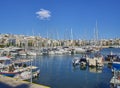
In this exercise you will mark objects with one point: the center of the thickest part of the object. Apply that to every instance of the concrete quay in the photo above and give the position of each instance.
(8, 82)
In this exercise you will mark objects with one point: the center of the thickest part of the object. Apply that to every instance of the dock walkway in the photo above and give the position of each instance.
(8, 82)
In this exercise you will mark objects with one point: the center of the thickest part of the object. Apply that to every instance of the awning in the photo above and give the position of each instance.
(5, 58)
(116, 65)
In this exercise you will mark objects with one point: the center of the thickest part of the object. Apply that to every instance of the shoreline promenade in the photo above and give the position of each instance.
(8, 82)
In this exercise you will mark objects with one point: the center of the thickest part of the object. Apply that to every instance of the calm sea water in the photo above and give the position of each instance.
(58, 72)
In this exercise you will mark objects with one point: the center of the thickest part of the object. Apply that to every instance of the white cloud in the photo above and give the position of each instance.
(43, 14)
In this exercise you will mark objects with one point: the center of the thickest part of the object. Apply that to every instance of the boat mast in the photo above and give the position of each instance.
(31, 62)
(71, 34)
(96, 33)
(71, 37)
(31, 70)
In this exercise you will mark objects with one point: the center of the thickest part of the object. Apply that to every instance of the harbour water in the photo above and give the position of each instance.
(58, 72)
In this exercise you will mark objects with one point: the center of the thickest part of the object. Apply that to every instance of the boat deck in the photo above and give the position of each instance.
(8, 82)
(115, 80)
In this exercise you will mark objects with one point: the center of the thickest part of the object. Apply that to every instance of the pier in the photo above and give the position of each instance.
(8, 82)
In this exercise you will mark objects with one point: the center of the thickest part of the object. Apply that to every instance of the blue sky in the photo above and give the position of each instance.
(60, 16)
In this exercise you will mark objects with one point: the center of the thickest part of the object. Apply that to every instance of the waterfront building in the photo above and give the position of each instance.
(38, 41)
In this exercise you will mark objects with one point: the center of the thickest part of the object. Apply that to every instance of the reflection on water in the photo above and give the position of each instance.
(75, 68)
(58, 72)
(90, 69)
(95, 69)
(83, 67)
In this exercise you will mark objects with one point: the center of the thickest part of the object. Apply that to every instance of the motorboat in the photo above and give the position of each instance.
(26, 75)
(76, 61)
(112, 57)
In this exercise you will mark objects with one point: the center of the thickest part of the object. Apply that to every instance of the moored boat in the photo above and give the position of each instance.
(76, 61)
(26, 75)
(112, 57)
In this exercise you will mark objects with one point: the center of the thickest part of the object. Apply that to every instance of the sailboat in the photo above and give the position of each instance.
(96, 46)
(76, 49)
